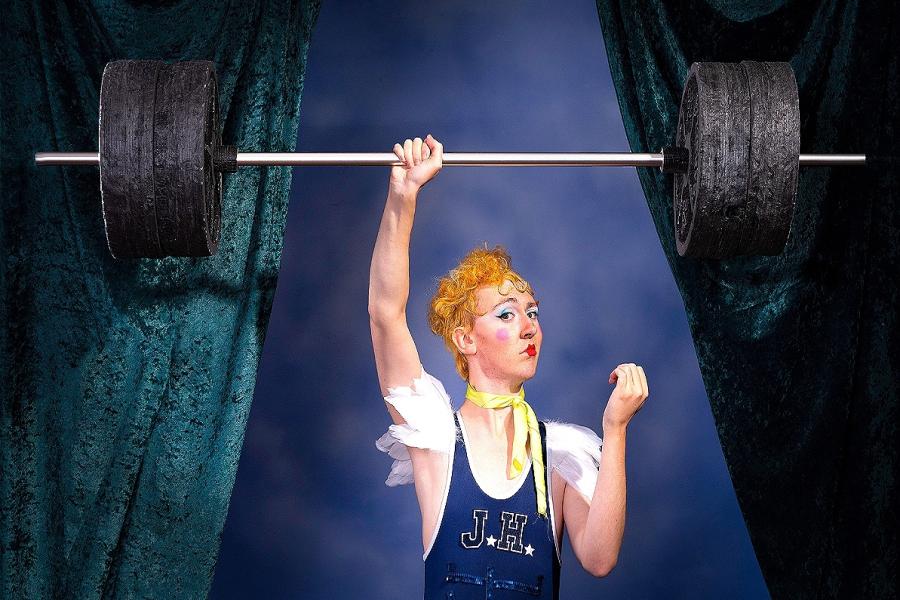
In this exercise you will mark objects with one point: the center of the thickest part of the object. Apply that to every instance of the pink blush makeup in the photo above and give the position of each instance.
(502, 335)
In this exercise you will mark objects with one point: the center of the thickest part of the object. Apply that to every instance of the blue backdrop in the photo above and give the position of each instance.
(310, 515)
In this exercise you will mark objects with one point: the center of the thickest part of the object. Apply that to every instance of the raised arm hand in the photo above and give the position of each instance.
(396, 358)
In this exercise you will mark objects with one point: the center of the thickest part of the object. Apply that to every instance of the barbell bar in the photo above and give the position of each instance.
(451, 159)
(735, 159)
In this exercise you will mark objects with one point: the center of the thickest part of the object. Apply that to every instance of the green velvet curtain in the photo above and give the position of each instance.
(127, 384)
(800, 353)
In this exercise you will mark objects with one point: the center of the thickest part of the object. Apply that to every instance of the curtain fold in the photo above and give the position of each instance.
(798, 352)
(127, 384)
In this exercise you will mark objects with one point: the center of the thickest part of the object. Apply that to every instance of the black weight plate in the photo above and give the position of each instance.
(188, 188)
(774, 156)
(714, 125)
(127, 190)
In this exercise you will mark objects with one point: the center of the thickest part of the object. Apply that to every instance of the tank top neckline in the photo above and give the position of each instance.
(521, 479)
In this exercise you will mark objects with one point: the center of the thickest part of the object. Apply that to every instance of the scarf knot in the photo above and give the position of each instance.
(526, 428)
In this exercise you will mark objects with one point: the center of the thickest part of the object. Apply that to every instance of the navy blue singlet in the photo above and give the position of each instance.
(491, 548)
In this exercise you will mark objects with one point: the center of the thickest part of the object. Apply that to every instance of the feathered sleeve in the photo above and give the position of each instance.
(426, 408)
(574, 451)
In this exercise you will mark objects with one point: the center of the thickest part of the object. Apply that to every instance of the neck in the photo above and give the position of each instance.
(484, 382)
(497, 422)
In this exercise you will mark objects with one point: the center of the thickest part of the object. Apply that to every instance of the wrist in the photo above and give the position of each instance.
(404, 193)
(611, 427)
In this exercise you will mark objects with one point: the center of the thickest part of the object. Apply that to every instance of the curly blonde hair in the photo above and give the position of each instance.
(454, 304)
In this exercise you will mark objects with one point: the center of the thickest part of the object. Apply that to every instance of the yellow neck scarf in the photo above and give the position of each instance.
(526, 424)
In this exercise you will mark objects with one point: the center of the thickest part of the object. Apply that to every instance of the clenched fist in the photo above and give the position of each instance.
(628, 396)
(422, 161)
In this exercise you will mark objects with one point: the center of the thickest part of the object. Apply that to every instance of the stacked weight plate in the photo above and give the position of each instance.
(159, 134)
(161, 159)
(741, 125)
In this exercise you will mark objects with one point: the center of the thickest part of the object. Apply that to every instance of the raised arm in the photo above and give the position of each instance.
(396, 358)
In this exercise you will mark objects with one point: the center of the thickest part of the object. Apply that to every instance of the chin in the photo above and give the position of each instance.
(529, 373)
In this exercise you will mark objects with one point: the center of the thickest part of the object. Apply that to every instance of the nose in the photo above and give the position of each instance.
(529, 331)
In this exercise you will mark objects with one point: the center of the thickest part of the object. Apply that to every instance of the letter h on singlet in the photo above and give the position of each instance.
(513, 527)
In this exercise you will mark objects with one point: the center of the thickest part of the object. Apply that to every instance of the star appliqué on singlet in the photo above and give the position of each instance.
(529, 550)
(491, 540)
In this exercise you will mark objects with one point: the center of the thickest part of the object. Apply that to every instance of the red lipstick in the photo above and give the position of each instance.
(531, 350)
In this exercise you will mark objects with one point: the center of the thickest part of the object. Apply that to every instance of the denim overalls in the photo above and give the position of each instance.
(490, 548)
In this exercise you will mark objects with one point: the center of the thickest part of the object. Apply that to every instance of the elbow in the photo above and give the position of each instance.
(375, 313)
(601, 568)
(382, 314)
(376, 308)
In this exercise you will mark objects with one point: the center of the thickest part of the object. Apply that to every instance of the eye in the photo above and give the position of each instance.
(533, 313)
(506, 315)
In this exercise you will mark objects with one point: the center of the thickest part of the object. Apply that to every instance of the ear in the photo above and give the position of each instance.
(464, 341)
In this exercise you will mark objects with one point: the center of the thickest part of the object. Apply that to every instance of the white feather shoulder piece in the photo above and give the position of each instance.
(426, 408)
(574, 451)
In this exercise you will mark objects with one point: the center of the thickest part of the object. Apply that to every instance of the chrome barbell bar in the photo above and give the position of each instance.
(451, 159)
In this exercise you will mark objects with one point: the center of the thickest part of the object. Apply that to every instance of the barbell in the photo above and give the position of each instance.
(161, 158)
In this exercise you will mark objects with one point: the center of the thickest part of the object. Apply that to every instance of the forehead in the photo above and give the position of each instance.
(489, 296)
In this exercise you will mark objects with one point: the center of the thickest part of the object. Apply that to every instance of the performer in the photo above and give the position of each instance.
(495, 486)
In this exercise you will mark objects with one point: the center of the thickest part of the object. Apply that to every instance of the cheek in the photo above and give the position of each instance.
(502, 335)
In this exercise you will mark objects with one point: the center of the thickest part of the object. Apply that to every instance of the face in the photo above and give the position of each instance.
(505, 340)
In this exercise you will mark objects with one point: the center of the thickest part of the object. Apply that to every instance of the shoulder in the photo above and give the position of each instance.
(573, 452)
(569, 437)
(429, 425)
(422, 402)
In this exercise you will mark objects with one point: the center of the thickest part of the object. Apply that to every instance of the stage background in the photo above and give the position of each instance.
(310, 515)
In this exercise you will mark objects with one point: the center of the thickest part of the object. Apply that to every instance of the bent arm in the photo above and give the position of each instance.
(596, 527)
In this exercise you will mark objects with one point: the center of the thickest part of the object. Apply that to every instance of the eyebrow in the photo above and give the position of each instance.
(516, 300)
